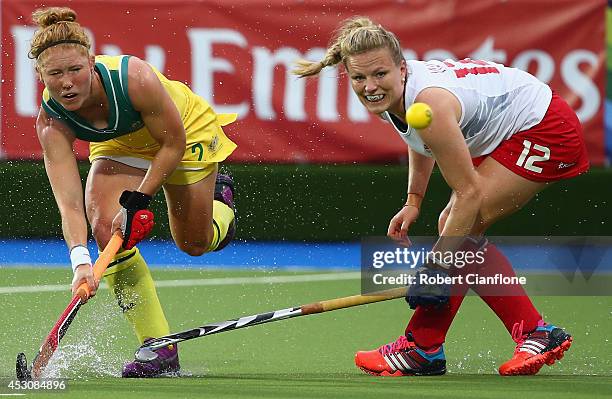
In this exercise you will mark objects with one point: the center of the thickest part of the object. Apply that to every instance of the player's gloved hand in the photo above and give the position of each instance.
(134, 219)
(84, 274)
(435, 291)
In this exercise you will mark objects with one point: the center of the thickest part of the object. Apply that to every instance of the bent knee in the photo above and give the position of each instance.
(194, 248)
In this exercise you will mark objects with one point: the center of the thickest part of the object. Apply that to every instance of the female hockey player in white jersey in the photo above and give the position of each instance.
(499, 136)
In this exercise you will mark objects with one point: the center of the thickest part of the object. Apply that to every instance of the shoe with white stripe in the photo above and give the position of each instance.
(544, 345)
(402, 358)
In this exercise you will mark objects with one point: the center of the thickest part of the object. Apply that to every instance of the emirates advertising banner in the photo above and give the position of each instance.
(238, 55)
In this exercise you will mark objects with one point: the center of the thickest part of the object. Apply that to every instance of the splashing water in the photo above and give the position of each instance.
(82, 360)
(90, 348)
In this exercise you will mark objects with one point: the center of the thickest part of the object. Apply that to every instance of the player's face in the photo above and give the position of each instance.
(377, 80)
(67, 72)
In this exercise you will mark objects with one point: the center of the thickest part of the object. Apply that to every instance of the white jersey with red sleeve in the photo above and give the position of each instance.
(496, 101)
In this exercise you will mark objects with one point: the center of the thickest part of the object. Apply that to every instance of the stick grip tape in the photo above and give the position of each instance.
(355, 300)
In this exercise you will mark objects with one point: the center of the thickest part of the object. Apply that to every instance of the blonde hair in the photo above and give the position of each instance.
(354, 36)
(56, 25)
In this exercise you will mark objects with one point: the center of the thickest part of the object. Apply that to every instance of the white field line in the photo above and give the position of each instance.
(201, 282)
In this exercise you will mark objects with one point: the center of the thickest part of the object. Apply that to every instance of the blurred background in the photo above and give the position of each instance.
(311, 164)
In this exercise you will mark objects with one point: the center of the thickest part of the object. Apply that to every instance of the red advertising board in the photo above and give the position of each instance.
(237, 55)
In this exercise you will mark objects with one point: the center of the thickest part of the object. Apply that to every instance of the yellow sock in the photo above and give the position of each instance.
(223, 216)
(129, 278)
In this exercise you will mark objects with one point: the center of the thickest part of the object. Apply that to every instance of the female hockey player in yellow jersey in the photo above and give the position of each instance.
(145, 132)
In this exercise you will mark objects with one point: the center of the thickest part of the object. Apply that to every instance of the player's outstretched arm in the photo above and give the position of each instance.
(60, 163)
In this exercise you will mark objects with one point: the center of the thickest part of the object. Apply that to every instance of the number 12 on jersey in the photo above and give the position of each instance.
(527, 162)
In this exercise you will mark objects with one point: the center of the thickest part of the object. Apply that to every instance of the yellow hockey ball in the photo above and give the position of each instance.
(419, 115)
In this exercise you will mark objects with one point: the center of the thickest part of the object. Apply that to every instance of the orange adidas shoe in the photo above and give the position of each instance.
(401, 358)
(545, 345)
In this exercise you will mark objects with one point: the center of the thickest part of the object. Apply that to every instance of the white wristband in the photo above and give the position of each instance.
(79, 255)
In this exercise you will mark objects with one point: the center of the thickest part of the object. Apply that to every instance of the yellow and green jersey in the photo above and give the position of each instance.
(126, 133)
(122, 117)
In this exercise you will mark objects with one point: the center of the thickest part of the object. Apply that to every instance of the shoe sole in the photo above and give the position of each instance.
(532, 365)
(171, 373)
(399, 373)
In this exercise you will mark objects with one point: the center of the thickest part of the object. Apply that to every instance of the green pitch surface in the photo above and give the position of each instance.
(305, 357)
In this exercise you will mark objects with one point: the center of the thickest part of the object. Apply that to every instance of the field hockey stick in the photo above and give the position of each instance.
(50, 344)
(146, 352)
